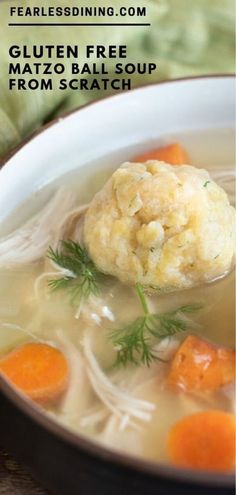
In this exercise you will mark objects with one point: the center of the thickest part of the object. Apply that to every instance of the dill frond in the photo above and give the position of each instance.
(134, 343)
(81, 277)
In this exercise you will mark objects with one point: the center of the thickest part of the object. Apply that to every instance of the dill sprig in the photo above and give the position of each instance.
(81, 277)
(135, 342)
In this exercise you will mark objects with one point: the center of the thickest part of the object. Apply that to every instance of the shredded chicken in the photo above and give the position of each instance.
(115, 437)
(18, 328)
(45, 276)
(95, 310)
(71, 226)
(76, 398)
(115, 399)
(29, 242)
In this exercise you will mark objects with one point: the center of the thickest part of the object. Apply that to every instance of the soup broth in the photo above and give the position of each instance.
(91, 405)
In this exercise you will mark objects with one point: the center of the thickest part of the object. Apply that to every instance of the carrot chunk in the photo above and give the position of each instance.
(203, 440)
(174, 154)
(38, 370)
(201, 366)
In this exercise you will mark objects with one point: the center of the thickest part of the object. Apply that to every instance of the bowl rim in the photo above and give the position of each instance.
(64, 115)
(94, 449)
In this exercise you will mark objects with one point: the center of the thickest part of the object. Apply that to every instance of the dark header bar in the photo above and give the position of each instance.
(78, 24)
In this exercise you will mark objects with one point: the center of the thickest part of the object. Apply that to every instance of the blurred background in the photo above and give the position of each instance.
(186, 38)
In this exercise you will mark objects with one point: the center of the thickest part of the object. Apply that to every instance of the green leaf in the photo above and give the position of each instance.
(82, 277)
(135, 342)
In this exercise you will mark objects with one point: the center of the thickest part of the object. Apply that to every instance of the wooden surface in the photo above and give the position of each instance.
(15, 479)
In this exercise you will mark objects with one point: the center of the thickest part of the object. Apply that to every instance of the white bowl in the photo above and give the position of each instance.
(85, 137)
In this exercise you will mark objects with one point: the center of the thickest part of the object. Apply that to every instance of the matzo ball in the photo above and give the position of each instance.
(166, 227)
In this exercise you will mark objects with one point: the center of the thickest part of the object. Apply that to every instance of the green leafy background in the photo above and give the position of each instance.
(185, 38)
